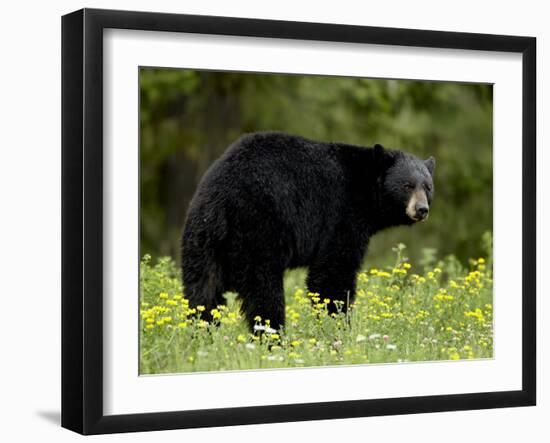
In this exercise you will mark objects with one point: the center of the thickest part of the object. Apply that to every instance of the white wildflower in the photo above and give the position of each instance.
(360, 338)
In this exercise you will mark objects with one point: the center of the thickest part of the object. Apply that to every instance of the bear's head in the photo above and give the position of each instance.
(406, 185)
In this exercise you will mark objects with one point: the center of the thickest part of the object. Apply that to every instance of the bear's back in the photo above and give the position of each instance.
(282, 168)
(295, 183)
(279, 151)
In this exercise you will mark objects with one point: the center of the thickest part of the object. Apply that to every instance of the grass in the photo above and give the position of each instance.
(401, 313)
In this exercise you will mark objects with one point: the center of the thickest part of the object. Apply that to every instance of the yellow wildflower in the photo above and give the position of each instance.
(215, 313)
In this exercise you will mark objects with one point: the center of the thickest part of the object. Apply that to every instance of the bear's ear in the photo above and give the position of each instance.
(378, 150)
(430, 164)
(383, 157)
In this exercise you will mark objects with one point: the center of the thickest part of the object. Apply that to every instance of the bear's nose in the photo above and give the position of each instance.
(422, 210)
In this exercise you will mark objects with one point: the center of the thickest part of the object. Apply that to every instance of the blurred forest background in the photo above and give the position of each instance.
(188, 118)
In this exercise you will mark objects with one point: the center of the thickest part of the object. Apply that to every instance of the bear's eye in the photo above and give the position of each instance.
(428, 188)
(409, 186)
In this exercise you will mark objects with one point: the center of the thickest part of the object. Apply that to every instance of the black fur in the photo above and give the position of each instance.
(275, 201)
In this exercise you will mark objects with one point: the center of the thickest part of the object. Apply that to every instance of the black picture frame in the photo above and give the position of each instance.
(82, 220)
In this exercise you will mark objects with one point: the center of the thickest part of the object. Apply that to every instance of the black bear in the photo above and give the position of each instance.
(275, 201)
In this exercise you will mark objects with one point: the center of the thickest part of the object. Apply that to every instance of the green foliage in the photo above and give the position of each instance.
(188, 118)
(401, 313)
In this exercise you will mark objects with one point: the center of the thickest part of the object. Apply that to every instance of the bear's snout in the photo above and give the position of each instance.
(417, 206)
(422, 211)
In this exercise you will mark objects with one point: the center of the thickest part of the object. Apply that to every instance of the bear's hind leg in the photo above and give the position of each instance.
(201, 296)
(334, 282)
(202, 281)
(262, 295)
